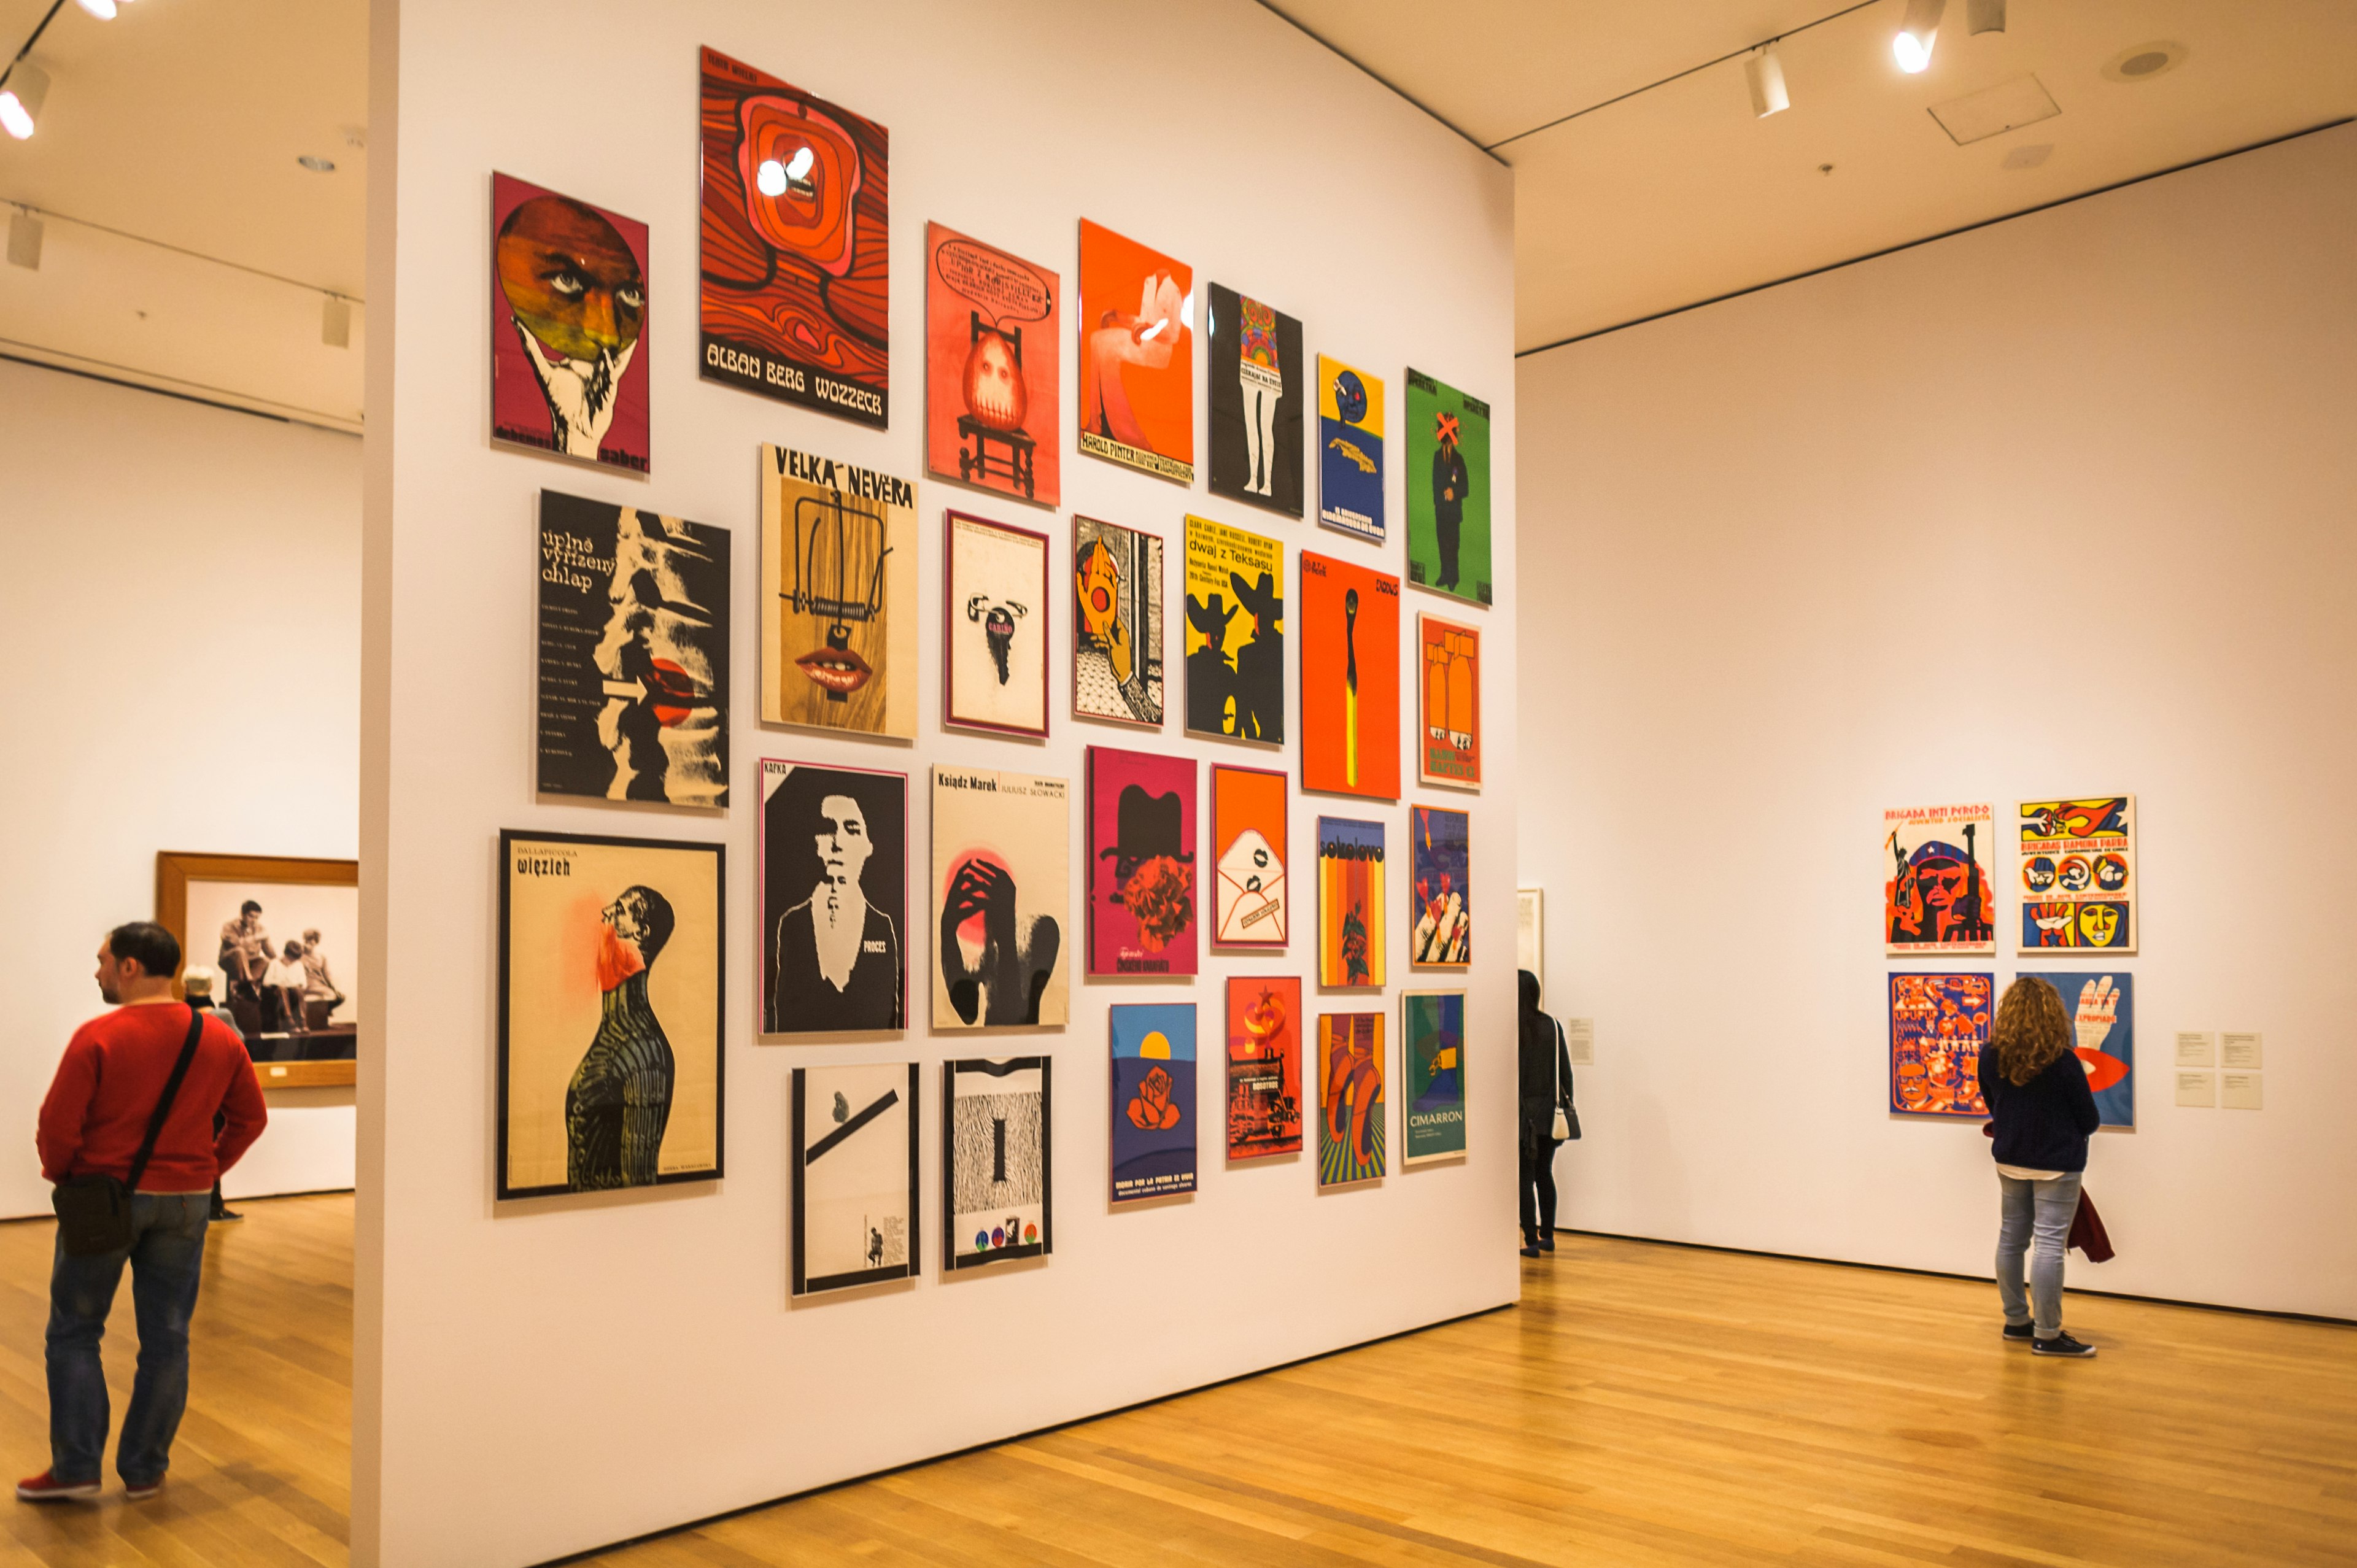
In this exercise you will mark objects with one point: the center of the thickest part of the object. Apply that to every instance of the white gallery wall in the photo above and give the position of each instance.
(626, 1362)
(182, 598)
(2059, 506)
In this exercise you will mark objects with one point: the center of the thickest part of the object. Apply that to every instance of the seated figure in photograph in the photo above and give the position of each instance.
(283, 983)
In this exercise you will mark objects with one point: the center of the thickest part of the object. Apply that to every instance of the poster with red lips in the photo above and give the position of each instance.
(839, 595)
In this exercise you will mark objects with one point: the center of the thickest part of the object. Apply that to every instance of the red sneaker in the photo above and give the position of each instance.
(45, 1488)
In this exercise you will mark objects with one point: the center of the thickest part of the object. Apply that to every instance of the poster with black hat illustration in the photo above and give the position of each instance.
(1235, 633)
(1141, 864)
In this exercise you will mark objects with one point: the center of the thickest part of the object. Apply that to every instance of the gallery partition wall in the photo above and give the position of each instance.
(843, 565)
(2052, 513)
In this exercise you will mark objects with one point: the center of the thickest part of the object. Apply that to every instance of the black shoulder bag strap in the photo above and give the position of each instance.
(163, 1106)
(94, 1211)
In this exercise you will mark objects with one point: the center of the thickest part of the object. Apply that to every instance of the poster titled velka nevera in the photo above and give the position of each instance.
(633, 656)
(1432, 1042)
(839, 595)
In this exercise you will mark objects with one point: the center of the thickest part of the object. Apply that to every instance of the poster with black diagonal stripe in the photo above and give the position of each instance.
(855, 1162)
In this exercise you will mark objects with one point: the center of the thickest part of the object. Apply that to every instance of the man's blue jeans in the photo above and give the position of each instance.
(2038, 1212)
(167, 1257)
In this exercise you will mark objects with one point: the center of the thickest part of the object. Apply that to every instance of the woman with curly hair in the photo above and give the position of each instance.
(2043, 1112)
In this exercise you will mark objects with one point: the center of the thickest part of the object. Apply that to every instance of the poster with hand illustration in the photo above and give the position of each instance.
(994, 334)
(1257, 379)
(1138, 356)
(569, 302)
(1153, 1098)
(2101, 1004)
(2076, 861)
(1001, 855)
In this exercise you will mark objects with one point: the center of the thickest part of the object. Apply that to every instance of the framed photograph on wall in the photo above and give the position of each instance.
(996, 1171)
(835, 900)
(282, 936)
(855, 1165)
(1530, 932)
(1116, 623)
(994, 646)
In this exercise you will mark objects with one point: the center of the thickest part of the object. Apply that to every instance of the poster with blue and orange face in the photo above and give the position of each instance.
(1350, 450)
(2076, 862)
(1153, 1098)
(1138, 356)
(1939, 1024)
(1937, 894)
(2101, 1004)
(993, 335)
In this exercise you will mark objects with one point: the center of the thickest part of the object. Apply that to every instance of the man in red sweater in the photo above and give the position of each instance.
(106, 1091)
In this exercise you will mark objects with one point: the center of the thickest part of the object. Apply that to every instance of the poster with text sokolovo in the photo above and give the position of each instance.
(834, 897)
(1350, 450)
(569, 370)
(1116, 623)
(1001, 854)
(1350, 902)
(1447, 489)
(855, 1165)
(1449, 748)
(839, 595)
(2077, 864)
(1141, 864)
(1138, 356)
(1234, 633)
(993, 335)
(1349, 678)
(1265, 1023)
(1350, 1098)
(793, 301)
(1153, 1098)
(1937, 894)
(633, 655)
(2101, 1004)
(1257, 379)
(1938, 1026)
(997, 1185)
(1440, 893)
(1432, 1058)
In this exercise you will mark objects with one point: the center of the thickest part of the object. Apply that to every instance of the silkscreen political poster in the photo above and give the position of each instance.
(2077, 861)
(1937, 894)
(1939, 1027)
(1350, 450)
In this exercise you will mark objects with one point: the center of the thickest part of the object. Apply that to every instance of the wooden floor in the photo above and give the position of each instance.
(1644, 1405)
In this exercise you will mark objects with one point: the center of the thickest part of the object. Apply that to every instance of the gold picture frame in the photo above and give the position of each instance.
(177, 873)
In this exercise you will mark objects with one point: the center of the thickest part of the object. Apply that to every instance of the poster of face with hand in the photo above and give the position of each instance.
(2076, 865)
(1001, 854)
(2102, 1006)
(568, 327)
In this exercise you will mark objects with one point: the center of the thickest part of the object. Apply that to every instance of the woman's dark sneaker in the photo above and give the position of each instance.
(2061, 1345)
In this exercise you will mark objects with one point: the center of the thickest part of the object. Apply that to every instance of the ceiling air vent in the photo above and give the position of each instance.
(1992, 110)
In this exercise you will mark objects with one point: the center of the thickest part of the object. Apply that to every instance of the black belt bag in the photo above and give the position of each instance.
(94, 1211)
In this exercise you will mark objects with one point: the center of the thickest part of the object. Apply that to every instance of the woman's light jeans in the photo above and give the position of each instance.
(2035, 1220)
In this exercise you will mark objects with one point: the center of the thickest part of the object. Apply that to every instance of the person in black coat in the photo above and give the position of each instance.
(2043, 1112)
(1545, 1086)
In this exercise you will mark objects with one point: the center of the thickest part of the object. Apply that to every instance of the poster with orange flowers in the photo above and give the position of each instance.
(1264, 1066)
(1141, 863)
(1138, 356)
(994, 334)
(1350, 678)
(1153, 1098)
(1350, 1098)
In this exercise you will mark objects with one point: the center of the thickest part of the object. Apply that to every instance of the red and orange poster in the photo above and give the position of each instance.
(1251, 905)
(1264, 1066)
(993, 336)
(794, 298)
(1448, 746)
(1138, 356)
(1349, 678)
(568, 326)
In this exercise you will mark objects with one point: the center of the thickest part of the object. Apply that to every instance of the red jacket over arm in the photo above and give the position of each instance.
(106, 1088)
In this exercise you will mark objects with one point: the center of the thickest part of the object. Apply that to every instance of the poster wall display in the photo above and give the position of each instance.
(1116, 623)
(1141, 863)
(568, 327)
(854, 1164)
(1153, 1098)
(1350, 1098)
(1939, 1027)
(1530, 932)
(1264, 1066)
(2103, 1020)
(1440, 901)
(1001, 855)
(794, 297)
(1251, 905)
(2077, 861)
(997, 1191)
(1138, 356)
(839, 595)
(1350, 902)
(995, 644)
(633, 658)
(1349, 678)
(1432, 1056)
(1257, 375)
(1939, 897)
(994, 334)
(835, 900)
(1449, 750)
(1235, 633)
(610, 987)
(1447, 489)
(282, 936)
(1350, 450)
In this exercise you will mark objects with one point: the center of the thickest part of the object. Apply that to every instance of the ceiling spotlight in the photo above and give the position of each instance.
(315, 164)
(20, 100)
(336, 323)
(1913, 45)
(1983, 16)
(1765, 75)
(25, 241)
(102, 9)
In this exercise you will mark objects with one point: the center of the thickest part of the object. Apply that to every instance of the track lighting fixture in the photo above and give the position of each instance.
(21, 99)
(102, 9)
(25, 241)
(1913, 45)
(1983, 16)
(336, 323)
(1765, 75)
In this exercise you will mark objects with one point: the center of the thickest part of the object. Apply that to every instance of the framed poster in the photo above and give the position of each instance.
(1350, 902)
(1449, 748)
(1138, 356)
(1350, 1098)
(995, 636)
(1349, 678)
(2102, 1019)
(1251, 906)
(2077, 861)
(1939, 1024)
(994, 333)
(1432, 1056)
(1530, 932)
(568, 327)
(1350, 450)
(1002, 850)
(1141, 863)
(855, 1165)
(835, 900)
(1235, 633)
(1939, 897)
(794, 302)
(256, 920)
(1447, 489)
(633, 657)
(1153, 1098)
(1257, 374)
(1440, 898)
(839, 595)
(1116, 623)
(610, 997)
(1264, 1066)
(995, 1162)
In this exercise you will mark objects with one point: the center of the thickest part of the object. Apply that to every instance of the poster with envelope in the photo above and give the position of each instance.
(1251, 905)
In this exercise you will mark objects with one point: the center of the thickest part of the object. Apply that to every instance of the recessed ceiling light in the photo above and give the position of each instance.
(316, 163)
(2142, 62)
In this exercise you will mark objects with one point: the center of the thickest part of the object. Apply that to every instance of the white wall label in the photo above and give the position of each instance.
(2196, 1048)
(1579, 1038)
(2239, 1091)
(2236, 1048)
(2197, 1088)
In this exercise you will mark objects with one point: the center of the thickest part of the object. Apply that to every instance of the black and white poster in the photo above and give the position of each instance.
(835, 900)
(995, 1161)
(633, 654)
(855, 1162)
